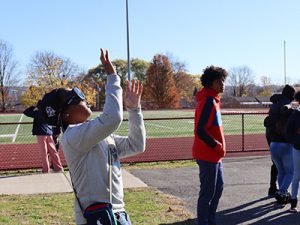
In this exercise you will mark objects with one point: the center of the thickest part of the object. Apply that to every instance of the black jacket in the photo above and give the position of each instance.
(292, 131)
(39, 127)
(275, 122)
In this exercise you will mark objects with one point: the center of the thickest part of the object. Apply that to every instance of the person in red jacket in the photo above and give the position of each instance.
(209, 143)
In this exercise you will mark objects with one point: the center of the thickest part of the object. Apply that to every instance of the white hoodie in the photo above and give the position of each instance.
(86, 147)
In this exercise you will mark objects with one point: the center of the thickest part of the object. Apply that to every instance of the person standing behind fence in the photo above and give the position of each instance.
(90, 145)
(44, 132)
(209, 144)
(280, 148)
(293, 135)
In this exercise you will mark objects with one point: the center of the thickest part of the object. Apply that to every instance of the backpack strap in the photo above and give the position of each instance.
(75, 192)
(110, 145)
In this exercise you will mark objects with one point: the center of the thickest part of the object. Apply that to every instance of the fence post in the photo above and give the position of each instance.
(243, 132)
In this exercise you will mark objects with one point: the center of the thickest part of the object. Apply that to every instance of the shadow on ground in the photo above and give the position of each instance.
(186, 222)
(264, 213)
(258, 212)
(243, 201)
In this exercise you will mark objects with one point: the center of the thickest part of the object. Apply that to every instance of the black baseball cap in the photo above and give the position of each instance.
(54, 102)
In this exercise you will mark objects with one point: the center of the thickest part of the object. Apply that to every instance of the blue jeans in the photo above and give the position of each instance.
(122, 218)
(211, 188)
(296, 176)
(282, 155)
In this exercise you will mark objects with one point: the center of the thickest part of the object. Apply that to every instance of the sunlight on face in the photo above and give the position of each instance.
(219, 85)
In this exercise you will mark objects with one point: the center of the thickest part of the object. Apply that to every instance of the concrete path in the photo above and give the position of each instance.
(244, 200)
(51, 183)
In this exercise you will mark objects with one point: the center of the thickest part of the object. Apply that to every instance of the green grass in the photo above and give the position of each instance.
(145, 206)
(160, 165)
(154, 128)
(127, 166)
(11, 173)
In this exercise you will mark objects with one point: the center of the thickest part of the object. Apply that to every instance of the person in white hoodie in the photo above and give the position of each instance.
(89, 145)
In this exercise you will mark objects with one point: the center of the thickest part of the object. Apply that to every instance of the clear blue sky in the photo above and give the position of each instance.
(199, 33)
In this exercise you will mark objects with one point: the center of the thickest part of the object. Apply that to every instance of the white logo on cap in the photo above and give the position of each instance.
(50, 111)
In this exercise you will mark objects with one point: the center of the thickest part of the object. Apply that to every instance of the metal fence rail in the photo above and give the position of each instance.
(167, 139)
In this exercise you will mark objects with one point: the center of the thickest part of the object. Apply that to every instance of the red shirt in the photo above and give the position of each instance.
(209, 142)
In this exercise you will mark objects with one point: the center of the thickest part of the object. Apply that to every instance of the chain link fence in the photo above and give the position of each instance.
(167, 139)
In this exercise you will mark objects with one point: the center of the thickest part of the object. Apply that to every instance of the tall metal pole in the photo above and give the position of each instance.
(128, 51)
(284, 62)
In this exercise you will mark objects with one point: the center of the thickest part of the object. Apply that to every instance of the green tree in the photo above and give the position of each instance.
(121, 68)
(160, 86)
(97, 78)
(139, 68)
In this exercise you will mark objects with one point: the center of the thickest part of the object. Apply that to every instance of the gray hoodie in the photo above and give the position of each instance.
(86, 147)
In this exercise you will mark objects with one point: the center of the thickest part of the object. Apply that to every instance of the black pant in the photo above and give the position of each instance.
(273, 180)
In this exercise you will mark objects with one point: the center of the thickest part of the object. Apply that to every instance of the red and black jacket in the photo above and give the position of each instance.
(209, 142)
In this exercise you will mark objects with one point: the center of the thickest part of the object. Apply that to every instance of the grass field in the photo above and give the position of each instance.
(145, 206)
(253, 124)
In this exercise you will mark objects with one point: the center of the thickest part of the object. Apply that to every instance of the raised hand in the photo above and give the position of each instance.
(108, 67)
(133, 94)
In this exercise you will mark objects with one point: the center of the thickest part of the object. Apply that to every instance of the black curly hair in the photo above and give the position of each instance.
(297, 96)
(289, 91)
(212, 73)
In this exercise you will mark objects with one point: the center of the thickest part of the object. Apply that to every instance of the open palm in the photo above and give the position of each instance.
(133, 93)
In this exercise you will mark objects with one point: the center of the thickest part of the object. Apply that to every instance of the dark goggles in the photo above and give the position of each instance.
(76, 96)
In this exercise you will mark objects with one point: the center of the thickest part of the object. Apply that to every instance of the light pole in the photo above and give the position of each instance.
(284, 62)
(128, 52)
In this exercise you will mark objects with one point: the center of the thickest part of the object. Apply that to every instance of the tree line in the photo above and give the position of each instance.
(165, 80)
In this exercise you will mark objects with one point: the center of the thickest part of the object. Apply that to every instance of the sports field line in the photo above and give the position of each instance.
(7, 135)
(17, 130)
(156, 125)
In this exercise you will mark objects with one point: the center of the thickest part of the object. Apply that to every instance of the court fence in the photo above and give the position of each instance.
(167, 139)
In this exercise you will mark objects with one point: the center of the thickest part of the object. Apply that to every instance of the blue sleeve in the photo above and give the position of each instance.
(206, 111)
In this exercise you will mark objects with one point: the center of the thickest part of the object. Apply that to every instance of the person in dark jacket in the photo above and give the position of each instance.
(280, 148)
(44, 133)
(209, 143)
(293, 135)
(274, 172)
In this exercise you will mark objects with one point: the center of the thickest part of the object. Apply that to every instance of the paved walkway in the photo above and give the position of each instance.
(51, 183)
(244, 200)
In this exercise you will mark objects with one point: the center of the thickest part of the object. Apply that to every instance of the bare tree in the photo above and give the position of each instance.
(46, 68)
(240, 78)
(47, 71)
(7, 73)
(266, 86)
